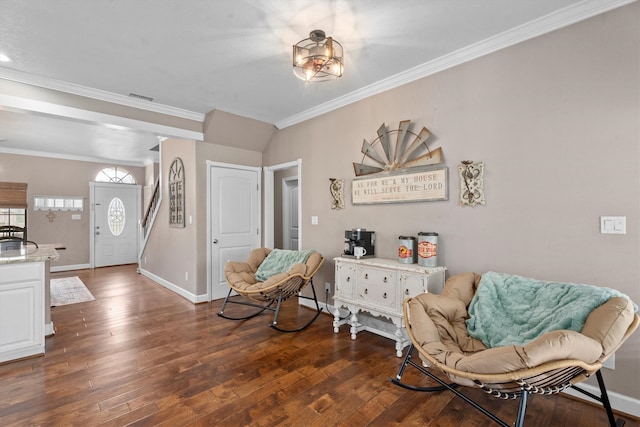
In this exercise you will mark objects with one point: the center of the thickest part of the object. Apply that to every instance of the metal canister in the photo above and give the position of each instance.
(428, 249)
(407, 250)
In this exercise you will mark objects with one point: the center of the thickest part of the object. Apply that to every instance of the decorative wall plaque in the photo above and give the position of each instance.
(336, 188)
(471, 176)
(404, 168)
(176, 193)
(426, 185)
(399, 149)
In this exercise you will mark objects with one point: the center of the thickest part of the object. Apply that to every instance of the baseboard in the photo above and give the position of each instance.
(49, 330)
(69, 267)
(619, 402)
(174, 288)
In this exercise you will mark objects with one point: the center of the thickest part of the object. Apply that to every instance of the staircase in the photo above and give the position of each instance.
(150, 216)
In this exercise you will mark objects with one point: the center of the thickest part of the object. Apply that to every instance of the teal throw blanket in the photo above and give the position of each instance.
(279, 261)
(514, 310)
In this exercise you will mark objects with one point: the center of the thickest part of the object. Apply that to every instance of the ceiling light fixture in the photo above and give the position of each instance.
(318, 58)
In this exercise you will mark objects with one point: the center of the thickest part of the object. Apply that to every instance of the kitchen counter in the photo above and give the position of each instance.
(29, 254)
(25, 312)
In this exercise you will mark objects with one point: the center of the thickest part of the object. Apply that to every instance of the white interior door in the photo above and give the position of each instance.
(234, 210)
(115, 222)
(290, 213)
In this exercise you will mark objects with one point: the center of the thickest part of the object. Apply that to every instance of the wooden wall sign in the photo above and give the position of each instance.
(426, 185)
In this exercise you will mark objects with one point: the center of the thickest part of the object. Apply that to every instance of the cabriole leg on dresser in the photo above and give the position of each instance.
(399, 342)
(354, 325)
(336, 320)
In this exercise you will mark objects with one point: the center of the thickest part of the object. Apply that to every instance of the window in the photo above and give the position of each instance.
(14, 217)
(13, 210)
(116, 216)
(115, 175)
(58, 203)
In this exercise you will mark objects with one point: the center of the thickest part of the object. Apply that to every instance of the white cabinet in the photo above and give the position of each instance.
(21, 310)
(379, 286)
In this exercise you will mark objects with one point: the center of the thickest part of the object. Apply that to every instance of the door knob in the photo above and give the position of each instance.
(215, 241)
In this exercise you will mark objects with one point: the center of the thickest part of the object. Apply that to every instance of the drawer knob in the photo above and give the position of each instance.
(348, 279)
(384, 295)
(366, 275)
(385, 279)
(366, 291)
(406, 291)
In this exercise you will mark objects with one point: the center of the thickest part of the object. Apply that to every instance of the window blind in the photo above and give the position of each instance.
(13, 195)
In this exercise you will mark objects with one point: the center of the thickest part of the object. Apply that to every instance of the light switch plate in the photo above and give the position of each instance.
(314, 220)
(613, 225)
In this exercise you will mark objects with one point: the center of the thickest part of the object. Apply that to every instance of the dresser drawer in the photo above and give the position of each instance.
(376, 286)
(412, 284)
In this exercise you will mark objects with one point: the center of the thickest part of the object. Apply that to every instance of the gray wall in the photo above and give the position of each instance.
(556, 121)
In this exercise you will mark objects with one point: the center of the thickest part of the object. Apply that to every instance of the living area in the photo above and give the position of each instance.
(553, 118)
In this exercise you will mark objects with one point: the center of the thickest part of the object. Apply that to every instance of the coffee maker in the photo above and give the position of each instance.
(359, 243)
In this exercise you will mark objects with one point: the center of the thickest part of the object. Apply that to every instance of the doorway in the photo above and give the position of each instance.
(289, 214)
(233, 220)
(114, 224)
(270, 219)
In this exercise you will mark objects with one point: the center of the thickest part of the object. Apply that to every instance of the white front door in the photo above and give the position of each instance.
(234, 211)
(114, 224)
(290, 213)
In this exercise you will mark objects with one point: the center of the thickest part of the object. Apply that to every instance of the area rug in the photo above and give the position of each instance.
(68, 290)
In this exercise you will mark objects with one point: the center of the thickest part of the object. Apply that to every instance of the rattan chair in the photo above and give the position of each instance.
(502, 371)
(262, 295)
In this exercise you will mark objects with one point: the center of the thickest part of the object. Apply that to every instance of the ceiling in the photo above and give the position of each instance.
(195, 56)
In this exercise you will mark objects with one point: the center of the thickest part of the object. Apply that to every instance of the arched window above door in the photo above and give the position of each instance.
(116, 175)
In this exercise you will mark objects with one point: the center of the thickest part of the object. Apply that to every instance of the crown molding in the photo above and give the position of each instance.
(101, 95)
(551, 22)
(50, 109)
(543, 25)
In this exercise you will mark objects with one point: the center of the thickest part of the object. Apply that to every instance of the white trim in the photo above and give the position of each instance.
(58, 268)
(56, 110)
(174, 288)
(286, 204)
(545, 24)
(49, 329)
(49, 155)
(269, 215)
(101, 95)
(619, 402)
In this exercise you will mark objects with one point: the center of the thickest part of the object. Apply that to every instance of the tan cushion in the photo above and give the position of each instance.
(312, 264)
(241, 275)
(462, 287)
(555, 345)
(608, 323)
(448, 316)
(438, 324)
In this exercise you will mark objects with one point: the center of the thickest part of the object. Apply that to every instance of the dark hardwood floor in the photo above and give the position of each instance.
(141, 355)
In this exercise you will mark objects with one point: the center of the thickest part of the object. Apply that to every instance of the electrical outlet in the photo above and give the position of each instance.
(327, 287)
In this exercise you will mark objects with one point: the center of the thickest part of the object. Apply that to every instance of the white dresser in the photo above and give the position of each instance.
(379, 286)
